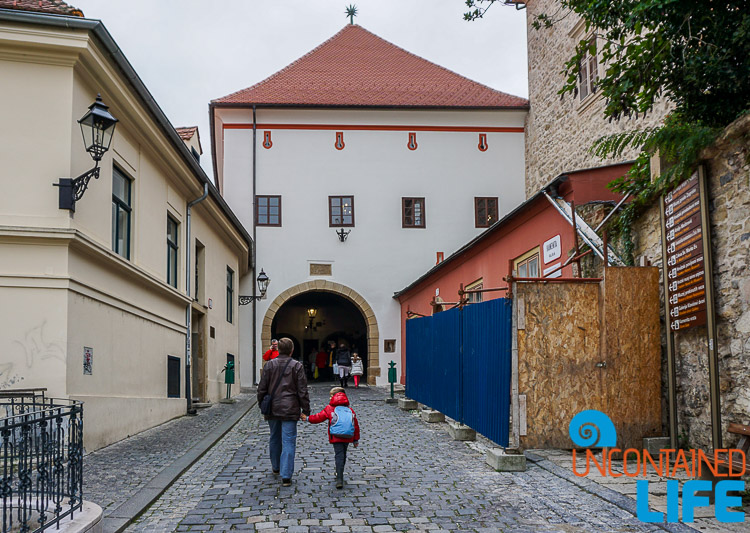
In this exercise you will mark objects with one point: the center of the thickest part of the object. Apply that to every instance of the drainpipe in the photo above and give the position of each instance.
(255, 246)
(188, 317)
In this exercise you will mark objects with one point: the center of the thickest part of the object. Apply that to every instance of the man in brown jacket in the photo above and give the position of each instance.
(284, 379)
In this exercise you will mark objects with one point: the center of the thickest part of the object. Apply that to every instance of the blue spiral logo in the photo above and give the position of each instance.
(592, 429)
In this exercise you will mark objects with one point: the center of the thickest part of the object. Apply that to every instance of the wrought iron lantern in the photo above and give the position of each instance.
(263, 280)
(97, 128)
(343, 234)
(311, 314)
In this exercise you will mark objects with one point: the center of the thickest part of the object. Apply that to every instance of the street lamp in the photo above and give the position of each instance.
(97, 128)
(311, 314)
(263, 280)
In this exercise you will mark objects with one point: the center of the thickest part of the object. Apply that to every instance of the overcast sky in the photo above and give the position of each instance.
(189, 52)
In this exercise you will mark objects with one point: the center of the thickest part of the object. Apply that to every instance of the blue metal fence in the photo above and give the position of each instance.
(458, 363)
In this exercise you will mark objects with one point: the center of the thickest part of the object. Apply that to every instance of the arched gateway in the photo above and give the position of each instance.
(373, 361)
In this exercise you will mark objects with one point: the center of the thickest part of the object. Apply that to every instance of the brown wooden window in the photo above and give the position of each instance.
(485, 211)
(527, 266)
(475, 297)
(341, 211)
(268, 210)
(412, 213)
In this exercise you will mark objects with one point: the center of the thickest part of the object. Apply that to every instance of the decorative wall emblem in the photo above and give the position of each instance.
(412, 144)
(482, 142)
(339, 140)
(267, 140)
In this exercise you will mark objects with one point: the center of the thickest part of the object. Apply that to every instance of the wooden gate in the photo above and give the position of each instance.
(589, 346)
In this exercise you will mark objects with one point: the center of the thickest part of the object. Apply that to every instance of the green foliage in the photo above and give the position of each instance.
(695, 53)
(678, 142)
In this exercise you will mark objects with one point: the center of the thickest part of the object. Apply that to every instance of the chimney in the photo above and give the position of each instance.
(440, 257)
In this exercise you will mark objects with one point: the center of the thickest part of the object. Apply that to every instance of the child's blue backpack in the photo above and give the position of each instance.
(342, 422)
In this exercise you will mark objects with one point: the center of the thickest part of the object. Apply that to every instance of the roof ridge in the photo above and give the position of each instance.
(290, 65)
(388, 75)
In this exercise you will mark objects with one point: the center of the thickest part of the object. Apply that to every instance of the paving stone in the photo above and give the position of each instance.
(405, 476)
(144, 455)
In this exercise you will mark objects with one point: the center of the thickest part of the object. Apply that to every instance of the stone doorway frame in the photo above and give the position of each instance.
(319, 285)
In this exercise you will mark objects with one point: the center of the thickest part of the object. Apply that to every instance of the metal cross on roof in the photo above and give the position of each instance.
(351, 12)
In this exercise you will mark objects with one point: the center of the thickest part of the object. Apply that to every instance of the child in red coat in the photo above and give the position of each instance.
(340, 442)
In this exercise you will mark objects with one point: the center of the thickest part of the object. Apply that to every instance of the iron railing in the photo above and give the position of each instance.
(41, 455)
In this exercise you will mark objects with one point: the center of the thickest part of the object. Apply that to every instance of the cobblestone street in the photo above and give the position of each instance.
(115, 474)
(405, 476)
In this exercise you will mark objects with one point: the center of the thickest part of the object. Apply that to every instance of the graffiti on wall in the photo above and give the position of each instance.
(33, 352)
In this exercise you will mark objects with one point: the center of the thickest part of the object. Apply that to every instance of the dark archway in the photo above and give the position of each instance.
(337, 319)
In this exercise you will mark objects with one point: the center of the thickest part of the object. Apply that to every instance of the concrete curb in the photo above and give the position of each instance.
(625, 503)
(128, 511)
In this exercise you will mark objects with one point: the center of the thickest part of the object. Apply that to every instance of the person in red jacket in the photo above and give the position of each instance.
(272, 352)
(340, 443)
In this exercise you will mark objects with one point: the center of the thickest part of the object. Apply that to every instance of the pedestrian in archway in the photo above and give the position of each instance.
(357, 368)
(272, 352)
(321, 362)
(284, 380)
(344, 361)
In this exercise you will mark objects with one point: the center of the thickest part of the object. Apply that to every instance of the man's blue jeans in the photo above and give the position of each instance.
(283, 445)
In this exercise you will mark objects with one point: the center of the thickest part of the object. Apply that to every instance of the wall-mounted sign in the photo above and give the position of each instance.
(552, 249)
(88, 360)
(685, 256)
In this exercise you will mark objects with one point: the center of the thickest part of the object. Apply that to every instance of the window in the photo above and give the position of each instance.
(527, 266)
(268, 212)
(200, 267)
(230, 295)
(173, 377)
(389, 345)
(121, 211)
(588, 74)
(485, 211)
(412, 213)
(475, 297)
(172, 247)
(341, 211)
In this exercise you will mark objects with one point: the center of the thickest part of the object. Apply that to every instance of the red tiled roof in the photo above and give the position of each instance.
(357, 68)
(56, 7)
(186, 133)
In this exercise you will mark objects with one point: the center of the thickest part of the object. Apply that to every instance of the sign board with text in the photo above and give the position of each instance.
(552, 249)
(685, 255)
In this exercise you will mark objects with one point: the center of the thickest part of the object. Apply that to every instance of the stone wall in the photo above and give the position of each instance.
(560, 131)
(728, 173)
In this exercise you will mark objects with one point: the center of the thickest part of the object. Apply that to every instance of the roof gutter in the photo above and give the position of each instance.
(118, 58)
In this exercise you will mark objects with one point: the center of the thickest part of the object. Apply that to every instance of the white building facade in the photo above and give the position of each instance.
(356, 172)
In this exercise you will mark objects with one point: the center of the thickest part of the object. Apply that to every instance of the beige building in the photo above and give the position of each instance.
(95, 300)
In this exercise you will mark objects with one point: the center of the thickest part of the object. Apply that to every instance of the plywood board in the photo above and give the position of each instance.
(632, 349)
(557, 353)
